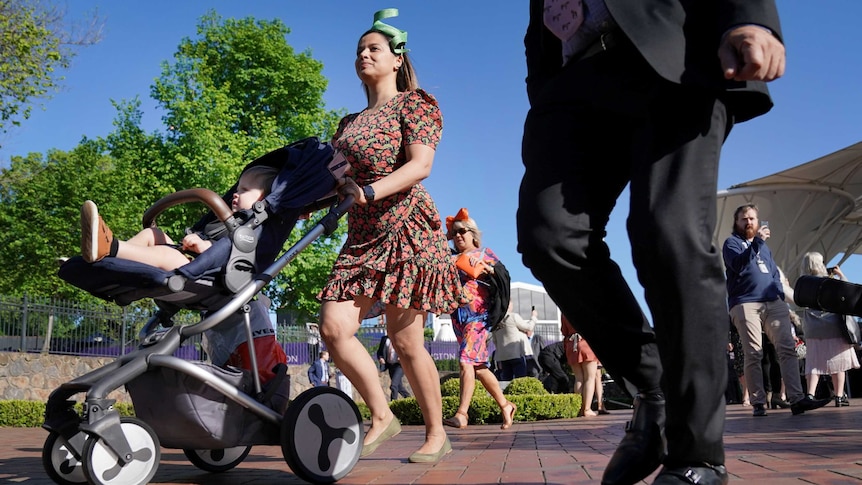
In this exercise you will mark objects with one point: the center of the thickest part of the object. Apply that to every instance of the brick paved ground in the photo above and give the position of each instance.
(819, 447)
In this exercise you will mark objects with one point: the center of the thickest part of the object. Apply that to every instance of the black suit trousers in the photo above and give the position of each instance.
(600, 124)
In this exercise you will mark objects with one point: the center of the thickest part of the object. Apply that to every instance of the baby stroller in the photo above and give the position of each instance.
(215, 414)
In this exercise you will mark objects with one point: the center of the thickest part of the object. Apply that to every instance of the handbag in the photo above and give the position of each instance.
(851, 330)
(473, 269)
(801, 350)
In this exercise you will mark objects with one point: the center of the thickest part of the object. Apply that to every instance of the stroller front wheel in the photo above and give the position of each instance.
(101, 464)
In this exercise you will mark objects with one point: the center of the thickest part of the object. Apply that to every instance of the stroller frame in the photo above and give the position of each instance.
(101, 447)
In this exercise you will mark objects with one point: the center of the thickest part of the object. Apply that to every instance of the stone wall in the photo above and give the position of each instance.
(32, 377)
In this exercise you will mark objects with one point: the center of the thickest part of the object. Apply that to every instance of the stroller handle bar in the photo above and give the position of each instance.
(247, 292)
(206, 196)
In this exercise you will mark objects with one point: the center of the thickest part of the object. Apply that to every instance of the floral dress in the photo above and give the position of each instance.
(469, 320)
(395, 251)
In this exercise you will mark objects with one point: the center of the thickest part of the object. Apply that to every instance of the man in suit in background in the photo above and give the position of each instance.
(318, 372)
(643, 93)
(387, 357)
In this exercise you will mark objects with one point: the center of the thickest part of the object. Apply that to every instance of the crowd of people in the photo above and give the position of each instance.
(622, 93)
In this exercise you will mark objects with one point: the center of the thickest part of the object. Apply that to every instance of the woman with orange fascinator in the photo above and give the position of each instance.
(469, 321)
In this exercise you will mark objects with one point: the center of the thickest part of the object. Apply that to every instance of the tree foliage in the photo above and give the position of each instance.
(34, 45)
(39, 217)
(233, 93)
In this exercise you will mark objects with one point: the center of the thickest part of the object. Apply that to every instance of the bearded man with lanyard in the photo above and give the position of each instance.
(755, 297)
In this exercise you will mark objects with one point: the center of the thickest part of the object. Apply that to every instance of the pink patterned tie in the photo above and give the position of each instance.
(563, 17)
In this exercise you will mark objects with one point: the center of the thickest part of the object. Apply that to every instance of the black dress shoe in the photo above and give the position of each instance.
(702, 474)
(808, 403)
(643, 447)
(777, 402)
(759, 410)
(841, 401)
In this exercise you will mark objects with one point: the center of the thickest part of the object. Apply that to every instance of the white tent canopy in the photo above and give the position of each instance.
(816, 206)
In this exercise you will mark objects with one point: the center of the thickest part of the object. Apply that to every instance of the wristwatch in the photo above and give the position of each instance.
(369, 193)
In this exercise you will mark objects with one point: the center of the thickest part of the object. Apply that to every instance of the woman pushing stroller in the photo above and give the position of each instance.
(395, 260)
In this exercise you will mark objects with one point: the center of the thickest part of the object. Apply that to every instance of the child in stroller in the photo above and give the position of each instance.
(154, 247)
(213, 413)
(224, 346)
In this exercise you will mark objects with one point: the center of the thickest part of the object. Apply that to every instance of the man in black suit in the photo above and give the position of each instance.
(643, 93)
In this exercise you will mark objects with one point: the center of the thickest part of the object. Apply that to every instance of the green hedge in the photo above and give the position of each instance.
(529, 395)
(31, 414)
(533, 401)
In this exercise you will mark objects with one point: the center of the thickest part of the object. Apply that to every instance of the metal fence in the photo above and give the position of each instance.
(55, 326)
(45, 325)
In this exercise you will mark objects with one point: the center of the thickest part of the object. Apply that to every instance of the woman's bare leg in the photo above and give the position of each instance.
(812, 381)
(339, 322)
(406, 330)
(468, 385)
(600, 390)
(589, 389)
(838, 383)
(492, 385)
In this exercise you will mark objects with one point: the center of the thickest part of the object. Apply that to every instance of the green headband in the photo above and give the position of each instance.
(397, 36)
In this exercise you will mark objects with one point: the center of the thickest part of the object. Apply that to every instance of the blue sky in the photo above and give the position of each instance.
(470, 55)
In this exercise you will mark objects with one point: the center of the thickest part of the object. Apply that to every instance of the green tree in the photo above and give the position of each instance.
(34, 45)
(39, 216)
(234, 93)
(295, 289)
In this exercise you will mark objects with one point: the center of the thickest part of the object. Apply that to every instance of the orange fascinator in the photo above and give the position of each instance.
(462, 215)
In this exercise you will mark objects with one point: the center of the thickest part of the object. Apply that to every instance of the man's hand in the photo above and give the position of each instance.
(751, 53)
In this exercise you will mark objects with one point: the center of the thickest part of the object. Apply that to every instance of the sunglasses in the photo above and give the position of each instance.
(460, 230)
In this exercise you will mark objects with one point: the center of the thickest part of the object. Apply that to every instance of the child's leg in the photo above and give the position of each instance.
(97, 241)
(151, 236)
(164, 257)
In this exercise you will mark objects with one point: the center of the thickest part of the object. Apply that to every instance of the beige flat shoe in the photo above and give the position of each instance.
(431, 457)
(391, 430)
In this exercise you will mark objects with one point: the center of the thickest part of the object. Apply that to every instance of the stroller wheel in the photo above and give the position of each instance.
(217, 461)
(62, 459)
(101, 465)
(321, 435)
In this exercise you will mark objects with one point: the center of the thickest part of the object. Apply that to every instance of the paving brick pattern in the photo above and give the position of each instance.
(819, 447)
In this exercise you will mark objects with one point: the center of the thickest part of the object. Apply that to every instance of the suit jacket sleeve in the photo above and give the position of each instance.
(381, 348)
(679, 39)
(738, 12)
(544, 51)
(313, 374)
